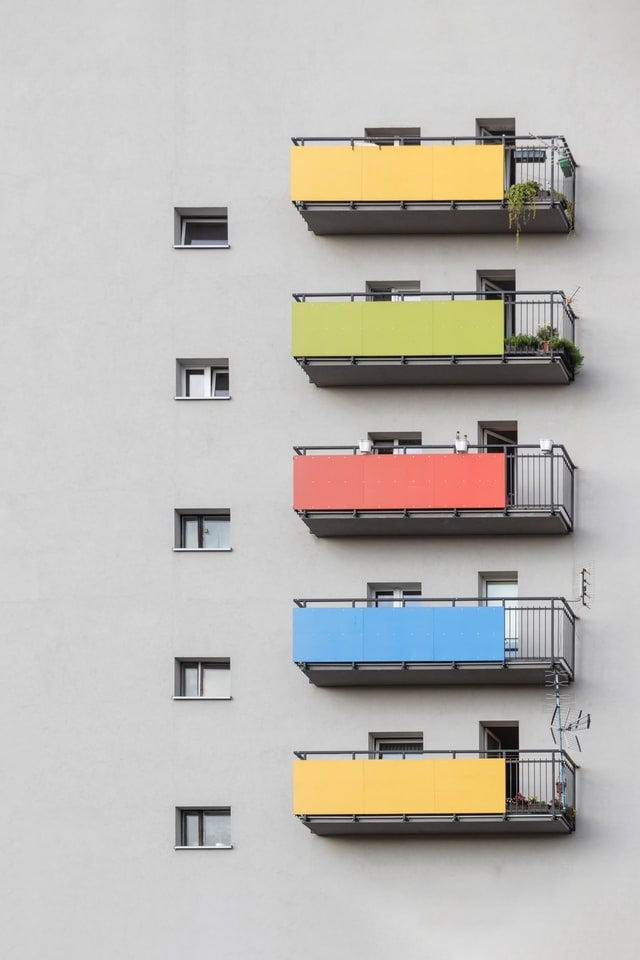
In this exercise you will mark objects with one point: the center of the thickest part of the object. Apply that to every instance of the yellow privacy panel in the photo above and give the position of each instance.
(333, 787)
(328, 786)
(398, 786)
(321, 329)
(472, 172)
(470, 786)
(326, 173)
(370, 172)
(468, 328)
(397, 329)
(397, 173)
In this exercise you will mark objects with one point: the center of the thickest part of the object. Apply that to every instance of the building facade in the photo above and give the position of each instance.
(274, 708)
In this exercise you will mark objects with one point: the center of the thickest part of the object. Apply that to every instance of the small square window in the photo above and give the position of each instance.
(203, 679)
(210, 530)
(206, 827)
(396, 746)
(201, 227)
(202, 379)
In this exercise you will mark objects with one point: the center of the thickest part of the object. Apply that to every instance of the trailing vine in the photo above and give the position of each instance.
(521, 203)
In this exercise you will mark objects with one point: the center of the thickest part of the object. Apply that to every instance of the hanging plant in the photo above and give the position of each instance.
(521, 203)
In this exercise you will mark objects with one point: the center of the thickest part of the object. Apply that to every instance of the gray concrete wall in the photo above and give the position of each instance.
(114, 114)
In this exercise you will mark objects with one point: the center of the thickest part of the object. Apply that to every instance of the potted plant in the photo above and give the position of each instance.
(521, 204)
(521, 343)
(461, 443)
(545, 335)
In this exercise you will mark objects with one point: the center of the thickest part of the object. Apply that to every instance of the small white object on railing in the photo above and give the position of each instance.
(364, 446)
(546, 446)
(461, 443)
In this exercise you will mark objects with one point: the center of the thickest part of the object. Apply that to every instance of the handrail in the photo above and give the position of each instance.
(492, 294)
(520, 755)
(442, 447)
(562, 602)
(547, 142)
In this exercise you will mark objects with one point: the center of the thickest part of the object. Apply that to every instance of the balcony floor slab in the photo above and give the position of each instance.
(510, 672)
(505, 825)
(492, 217)
(327, 523)
(431, 371)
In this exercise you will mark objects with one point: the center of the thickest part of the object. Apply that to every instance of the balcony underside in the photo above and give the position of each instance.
(327, 218)
(433, 523)
(435, 371)
(505, 824)
(512, 672)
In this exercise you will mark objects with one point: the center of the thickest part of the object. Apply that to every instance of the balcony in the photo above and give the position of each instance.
(431, 491)
(463, 791)
(355, 339)
(425, 641)
(356, 185)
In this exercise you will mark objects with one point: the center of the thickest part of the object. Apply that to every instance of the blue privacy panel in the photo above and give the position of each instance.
(390, 634)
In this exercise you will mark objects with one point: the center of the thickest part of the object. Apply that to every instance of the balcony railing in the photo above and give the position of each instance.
(351, 185)
(435, 791)
(422, 640)
(430, 490)
(442, 337)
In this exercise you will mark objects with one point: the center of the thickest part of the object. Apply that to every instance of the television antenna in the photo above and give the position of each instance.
(565, 724)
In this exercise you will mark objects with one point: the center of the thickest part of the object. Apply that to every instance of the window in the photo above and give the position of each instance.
(202, 379)
(395, 442)
(394, 746)
(203, 679)
(393, 290)
(201, 227)
(392, 136)
(393, 595)
(208, 827)
(210, 530)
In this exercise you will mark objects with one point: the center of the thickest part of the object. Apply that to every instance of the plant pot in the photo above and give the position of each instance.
(364, 446)
(566, 166)
(546, 345)
(462, 446)
(546, 446)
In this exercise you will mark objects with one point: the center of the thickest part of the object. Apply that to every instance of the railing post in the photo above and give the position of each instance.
(553, 630)
(551, 485)
(553, 163)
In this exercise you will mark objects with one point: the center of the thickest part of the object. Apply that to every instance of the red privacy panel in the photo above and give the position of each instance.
(428, 481)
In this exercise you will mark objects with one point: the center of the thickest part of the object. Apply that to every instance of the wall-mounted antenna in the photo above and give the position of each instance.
(573, 295)
(565, 724)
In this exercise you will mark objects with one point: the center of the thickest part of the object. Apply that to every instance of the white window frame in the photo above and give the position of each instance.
(386, 446)
(396, 596)
(211, 373)
(202, 663)
(184, 220)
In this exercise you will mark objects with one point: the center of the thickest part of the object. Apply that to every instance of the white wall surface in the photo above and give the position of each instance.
(114, 113)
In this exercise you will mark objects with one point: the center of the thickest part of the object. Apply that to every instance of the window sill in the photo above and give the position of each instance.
(203, 698)
(202, 398)
(219, 846)
(202, 246)
(202, 549)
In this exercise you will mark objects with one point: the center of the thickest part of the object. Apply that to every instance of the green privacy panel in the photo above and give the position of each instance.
(422, 328)
(392, 329)
(327, 329)
(468, 327)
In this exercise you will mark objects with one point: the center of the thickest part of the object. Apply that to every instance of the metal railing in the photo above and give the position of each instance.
(537, 782)
(545, 160)
(535, 628)
(536, 480)
(544, 314)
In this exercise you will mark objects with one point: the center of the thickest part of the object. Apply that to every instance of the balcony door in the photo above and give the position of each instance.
(504, 440)
(501, 286)
(502, 739)
(504, 593)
